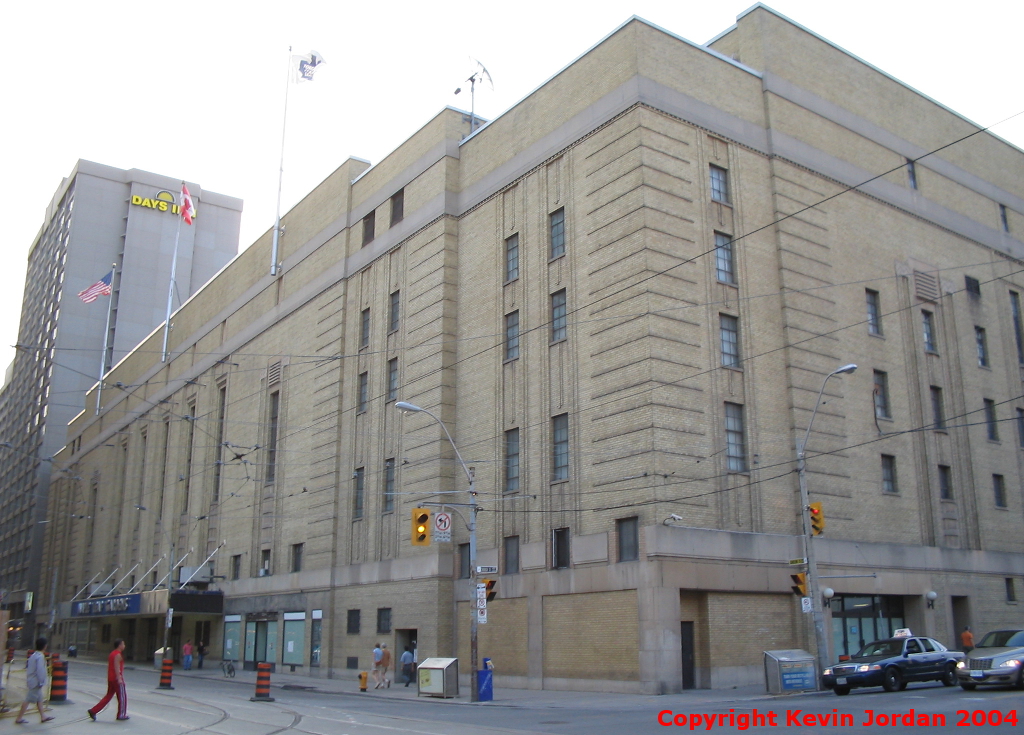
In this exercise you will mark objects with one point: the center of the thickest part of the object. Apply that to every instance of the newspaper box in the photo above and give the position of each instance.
(438, 677)
(789, 671)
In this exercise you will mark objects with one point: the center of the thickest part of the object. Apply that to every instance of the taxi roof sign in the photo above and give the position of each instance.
(902, 633)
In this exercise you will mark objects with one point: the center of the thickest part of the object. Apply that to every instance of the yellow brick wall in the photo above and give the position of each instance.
(592, 636)
(503, 638)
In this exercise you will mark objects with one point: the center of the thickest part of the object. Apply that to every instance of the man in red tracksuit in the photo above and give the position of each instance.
(115, 683)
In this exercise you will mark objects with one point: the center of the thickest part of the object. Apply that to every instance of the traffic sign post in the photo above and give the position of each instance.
(443, 526)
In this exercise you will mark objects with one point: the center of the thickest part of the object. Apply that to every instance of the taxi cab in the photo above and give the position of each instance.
(893, 663)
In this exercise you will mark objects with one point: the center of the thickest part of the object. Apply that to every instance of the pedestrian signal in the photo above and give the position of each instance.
(420, 527)
(817, 518)
(799, 584)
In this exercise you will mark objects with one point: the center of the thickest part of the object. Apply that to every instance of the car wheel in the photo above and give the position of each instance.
(891, 679)
(949, 676)
(968, 687)
(842, 691)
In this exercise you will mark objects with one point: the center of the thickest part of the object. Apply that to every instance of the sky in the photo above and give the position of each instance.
(196, 90)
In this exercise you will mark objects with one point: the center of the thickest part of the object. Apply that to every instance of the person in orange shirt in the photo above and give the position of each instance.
(115, 683)
(967, 639)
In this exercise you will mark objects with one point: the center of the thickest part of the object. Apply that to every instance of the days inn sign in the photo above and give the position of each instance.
(163, 201)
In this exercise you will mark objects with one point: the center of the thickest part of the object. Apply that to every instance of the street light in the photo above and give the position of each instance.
(812, 564)
(474, 695)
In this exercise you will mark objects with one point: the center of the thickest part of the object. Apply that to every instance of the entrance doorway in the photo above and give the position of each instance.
(858, 620)
(689, 656)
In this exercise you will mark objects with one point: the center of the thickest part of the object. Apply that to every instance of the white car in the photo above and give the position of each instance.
(997, 659)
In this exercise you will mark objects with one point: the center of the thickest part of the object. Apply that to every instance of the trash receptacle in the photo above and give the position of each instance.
(438, 677)
(485, 685)
(789, 671)
(158, 658)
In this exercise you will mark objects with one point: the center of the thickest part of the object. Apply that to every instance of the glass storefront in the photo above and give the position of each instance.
(858, 620)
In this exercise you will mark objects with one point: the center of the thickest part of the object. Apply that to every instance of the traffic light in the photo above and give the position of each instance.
(421, 527)
(490, 585)
(799, 584)
(817, 518)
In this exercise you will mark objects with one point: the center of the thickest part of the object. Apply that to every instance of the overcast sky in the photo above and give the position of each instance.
(195, 90)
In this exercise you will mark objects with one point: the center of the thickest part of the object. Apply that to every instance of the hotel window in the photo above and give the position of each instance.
(999, 490)
(1018, 325)
(560, 548)
(368, 227)
(729, 333)
(981, 341)
(945, 482)
(364, 392)
(1004, 220)
(512, 460)
(297, 557)
(874, 311)
(393, 379)
(352, 624)
(560, 447)
(512, 257)
(397, 207)
(511, 555)
(236, 566)
(882, 395)
(735, 439)
(273, 412)
(911, 174)
(938, 411)
(928, 327)
(359, 489)
(364, 329)
(628, 532)
(889, 474)
(557, 225)
(991, 422)
(719, 184)
(724, 263)
(558, 316)
(512, 335)
(394, 311)
(383, 620)
(389, 486)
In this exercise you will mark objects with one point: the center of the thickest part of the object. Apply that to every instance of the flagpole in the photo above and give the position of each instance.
(170, 287)
(106, 338)
(280, 170)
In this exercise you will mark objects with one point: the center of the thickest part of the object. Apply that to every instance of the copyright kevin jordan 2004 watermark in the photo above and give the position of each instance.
(835, 718)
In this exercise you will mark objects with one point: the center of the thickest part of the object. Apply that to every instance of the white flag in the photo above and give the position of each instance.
(305, 66)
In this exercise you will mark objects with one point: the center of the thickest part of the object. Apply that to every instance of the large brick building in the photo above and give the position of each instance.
(622, 297)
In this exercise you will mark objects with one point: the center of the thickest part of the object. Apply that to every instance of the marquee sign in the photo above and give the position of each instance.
(119, 605)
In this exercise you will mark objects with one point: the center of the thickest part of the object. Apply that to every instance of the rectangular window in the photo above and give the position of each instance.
(724, 263)
(364, 392)
(265, 562)
(358, 492)
(1018, 325)
(389, 486)
(236, 566)
(991, 422)
(512, 257)
(938, 410)
(560, 548)
(463, 561)
(394, 312)
(560, 447)
(911, 174)
(383, 620)
(393, 379)
(368, 227)
(558, 316)
(512, 460)
(889, 474)
(719, 184)
(1004, 220)
(882, 410)
(1011, 590)
(364, 329)
(972, 285)
(729, 333)
(512, 335)
(928, 327)
(222, 412)
(999, 490)
(511, 555)
(945, 482)
(397, 207)
(1020, 427)
(297, 557)
(273, 410)
(981, 341)
(353, 623)
(735, 439)
(874, 311)
(557, 222)
(628, 532)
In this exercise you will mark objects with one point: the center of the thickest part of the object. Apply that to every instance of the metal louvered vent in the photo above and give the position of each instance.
(926, 286)
(274, 373)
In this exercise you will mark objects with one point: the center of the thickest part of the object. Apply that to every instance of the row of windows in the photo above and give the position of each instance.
(397, 215)
(265, 570)
(559, 325)
(394, 319)
(1004, 221)
(354, 621)
(890, 482)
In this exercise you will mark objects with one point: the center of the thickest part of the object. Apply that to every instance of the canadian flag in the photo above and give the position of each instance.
(188, 209)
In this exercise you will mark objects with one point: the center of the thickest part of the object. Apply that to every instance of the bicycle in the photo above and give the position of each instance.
(228, 668)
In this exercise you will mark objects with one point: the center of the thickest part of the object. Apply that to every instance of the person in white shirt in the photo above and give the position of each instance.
(35, 680)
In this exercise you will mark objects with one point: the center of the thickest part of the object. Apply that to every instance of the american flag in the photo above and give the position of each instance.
(100, 288)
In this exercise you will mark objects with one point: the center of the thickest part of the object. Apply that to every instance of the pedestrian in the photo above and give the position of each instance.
(967, 639)
(377, 654)
(407, 665)
(385, 664)
(186, 655)
(115, 683)
(200, 653)
(35, 680)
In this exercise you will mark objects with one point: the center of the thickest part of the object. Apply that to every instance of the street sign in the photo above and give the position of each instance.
(442, 526)
(481, 615)
(797, 561)
(487, 570)
(170, 616)
(806, 605)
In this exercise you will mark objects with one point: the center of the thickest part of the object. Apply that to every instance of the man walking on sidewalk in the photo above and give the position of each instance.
(407, 665)
(35, 680)
(115, 683)
(385, 664)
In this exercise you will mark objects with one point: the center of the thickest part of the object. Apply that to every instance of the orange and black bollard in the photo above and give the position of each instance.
(165, 674)
(262, 684)
(59, 682)
(363, 676)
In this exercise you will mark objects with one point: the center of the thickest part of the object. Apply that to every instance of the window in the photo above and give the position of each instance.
(999, 490)
(359, 478)
(273, 410)
(394, 312)
(557, 222)
(560, 548)
(729, 332)
(945, 482)
(881, 395)
(236, 566)
(719, 184)
(991, 422)
(383, 620)
(397, 207)
(1020, 427)
(628, 532)
(393, 379)
(735, 439)
(981, 341)
(1011, 590)
(889, 474)
(389, 485)
(352, 626)
(724, 264)
(512, 335)
(560, 447)
(222, 411)
(558, 316)
(972, 286)
(463, 561)
(1004, 220)
(938, 412)
(368, 227)
(1018, 326)
(911, 174)
(874, 312)
(928, 328)
(364, 329)
(364, 392)
(297, 557)
(511, 555)
(265, 562)
(512, 257)
(512, 460)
